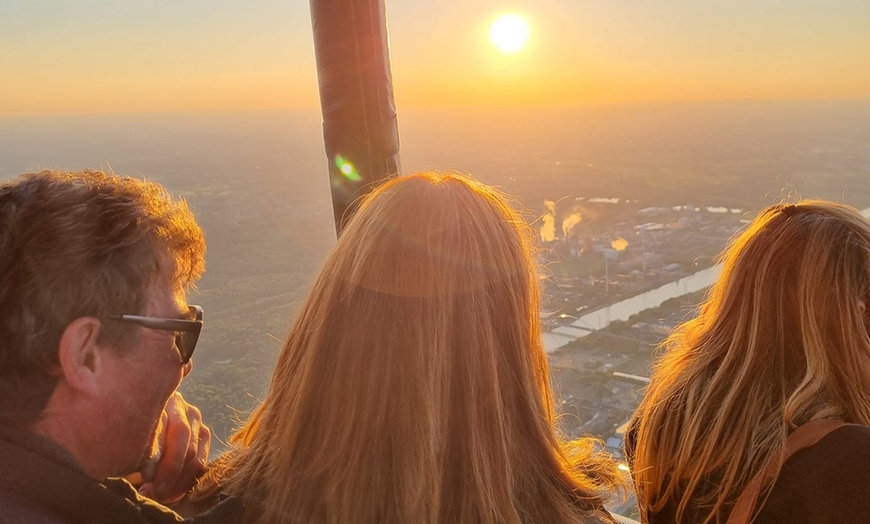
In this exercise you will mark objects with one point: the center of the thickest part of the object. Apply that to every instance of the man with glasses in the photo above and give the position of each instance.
(95, 336)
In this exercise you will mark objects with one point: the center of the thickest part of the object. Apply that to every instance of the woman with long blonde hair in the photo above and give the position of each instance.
(758, 408)
(413, 387)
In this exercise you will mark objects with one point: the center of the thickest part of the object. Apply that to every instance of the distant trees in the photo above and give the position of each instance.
(227, 392)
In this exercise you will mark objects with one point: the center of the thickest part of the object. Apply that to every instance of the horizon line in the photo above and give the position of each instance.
(444, 107)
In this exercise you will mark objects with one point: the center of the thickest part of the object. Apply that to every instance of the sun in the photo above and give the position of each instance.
(509, 34)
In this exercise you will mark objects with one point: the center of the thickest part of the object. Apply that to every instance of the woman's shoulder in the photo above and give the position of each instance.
(843, 455)
(847, 446)
(216, 507)
(229, 510)
(848, 434)
(825, 481)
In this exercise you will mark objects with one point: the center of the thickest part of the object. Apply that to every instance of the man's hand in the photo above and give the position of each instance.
(180, 454)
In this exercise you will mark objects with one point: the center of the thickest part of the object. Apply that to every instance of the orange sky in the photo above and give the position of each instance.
(221, 55)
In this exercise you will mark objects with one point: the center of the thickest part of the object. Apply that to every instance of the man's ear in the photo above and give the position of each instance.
(79, 355)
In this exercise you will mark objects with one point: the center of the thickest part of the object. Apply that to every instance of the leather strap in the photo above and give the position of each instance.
(801, 438)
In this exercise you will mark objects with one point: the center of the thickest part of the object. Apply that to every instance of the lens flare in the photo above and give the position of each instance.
(347, 169)
(509, 34)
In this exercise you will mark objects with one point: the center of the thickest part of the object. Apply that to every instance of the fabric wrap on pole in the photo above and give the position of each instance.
(360, 129)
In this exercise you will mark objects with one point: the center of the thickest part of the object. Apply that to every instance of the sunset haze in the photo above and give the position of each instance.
(135, 56)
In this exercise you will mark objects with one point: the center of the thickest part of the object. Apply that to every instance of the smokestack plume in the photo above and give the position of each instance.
(548, 228)
(568, 224)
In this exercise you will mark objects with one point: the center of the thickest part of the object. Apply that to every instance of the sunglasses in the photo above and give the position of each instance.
(186, 330)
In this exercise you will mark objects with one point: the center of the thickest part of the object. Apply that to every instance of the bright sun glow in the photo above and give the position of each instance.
(509, 34)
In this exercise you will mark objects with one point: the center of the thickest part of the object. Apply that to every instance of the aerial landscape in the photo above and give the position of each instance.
(257, 183)
(636, 141)
(636, 189)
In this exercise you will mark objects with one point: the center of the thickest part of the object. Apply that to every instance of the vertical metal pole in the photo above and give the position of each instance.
(360, 129)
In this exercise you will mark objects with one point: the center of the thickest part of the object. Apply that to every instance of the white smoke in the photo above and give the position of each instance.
(548, 228)
(572, 220)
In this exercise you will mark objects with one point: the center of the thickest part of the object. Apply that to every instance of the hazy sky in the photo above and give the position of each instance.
(107, 56)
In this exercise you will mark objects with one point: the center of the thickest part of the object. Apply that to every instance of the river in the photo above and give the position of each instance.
(622, 310)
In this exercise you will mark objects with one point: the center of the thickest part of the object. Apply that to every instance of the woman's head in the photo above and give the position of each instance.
(781, 339)
(794, 291)
(432, 280)
(413, 386)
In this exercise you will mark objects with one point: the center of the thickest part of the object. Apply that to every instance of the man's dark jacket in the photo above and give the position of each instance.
(42, 484)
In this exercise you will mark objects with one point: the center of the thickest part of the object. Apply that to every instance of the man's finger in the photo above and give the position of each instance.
(196, 464)
(176, 447)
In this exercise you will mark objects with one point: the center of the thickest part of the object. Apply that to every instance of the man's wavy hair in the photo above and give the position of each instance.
(79, 244)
